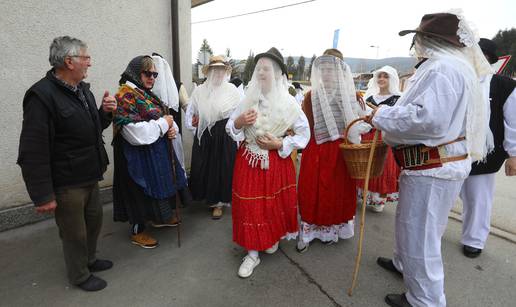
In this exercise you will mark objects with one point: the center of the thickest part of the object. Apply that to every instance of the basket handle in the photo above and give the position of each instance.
(346, 131)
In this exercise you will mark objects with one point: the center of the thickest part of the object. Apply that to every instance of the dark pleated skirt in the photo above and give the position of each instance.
(211, 171)
(129, 200)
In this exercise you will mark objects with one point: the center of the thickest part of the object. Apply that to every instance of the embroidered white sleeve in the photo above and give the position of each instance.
(236, 134)
(509, 114)
(297, 141)
(144, 133)
(190, 111)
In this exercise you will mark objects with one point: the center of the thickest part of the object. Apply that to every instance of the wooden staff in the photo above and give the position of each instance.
(362, 214)
(174, 182)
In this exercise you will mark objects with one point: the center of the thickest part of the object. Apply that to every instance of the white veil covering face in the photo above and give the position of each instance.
(277, 110)
(165, 85)
(333, 99)
(394, 82)
(166, 90)
(215, 99)
(479, 137)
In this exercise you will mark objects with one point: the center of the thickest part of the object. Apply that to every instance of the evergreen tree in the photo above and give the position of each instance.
(205, 47)
(506, 42)
(249, 68)
(309, 72)
(291, 66)
(301, 69)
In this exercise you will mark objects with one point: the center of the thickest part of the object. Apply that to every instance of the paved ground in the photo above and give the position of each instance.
(504, 206)
(203, 271)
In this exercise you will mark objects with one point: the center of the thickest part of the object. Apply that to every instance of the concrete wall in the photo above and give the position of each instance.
(115, 31)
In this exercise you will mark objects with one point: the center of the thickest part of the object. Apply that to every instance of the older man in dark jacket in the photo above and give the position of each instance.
(62, 156)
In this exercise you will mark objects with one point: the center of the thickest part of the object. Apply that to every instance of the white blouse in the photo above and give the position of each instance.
(297, 141)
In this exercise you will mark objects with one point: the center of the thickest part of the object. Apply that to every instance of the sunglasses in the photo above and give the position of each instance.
(149, 74)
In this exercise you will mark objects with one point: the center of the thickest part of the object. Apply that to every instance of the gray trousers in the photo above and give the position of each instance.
(79, 219)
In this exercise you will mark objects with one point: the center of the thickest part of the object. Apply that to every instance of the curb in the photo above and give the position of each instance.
(25, 214)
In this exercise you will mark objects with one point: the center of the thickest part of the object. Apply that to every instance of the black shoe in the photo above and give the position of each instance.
(100, 265)
(397, 300)
(471, 252)
(93, 283)
(387, 264)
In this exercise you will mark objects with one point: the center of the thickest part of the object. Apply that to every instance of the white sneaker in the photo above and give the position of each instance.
(272, 249)
(302, 247)
(376, 208)
(247, 266)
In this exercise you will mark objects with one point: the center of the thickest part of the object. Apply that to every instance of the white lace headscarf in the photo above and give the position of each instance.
(334, 103)
(165, 86)
(479, 137)
(394, 82)
(215, 99)
(277, 110)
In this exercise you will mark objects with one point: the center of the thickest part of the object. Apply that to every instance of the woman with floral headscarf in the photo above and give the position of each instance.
(143, 184)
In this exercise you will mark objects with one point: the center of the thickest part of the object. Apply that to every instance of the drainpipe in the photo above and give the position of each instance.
(176, 60)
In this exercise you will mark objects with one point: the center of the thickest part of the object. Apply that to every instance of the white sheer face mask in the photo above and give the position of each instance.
(328, 74)
(217, 75)
(265, 74)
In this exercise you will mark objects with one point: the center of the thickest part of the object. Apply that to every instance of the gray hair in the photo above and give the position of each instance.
(62, 47)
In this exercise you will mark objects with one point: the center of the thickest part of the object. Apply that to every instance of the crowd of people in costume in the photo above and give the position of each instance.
(453, 114)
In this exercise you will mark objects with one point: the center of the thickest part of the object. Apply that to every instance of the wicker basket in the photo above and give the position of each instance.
(357, 155)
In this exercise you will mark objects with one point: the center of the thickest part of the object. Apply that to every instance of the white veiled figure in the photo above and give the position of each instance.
(214, 100)
(479, 137)
(165, 86)
(166, 90)
(334, 102)
(276, 109)
(394, 82)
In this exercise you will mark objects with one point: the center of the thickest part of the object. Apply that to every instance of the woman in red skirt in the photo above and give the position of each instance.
(327, 195)
(383, 89)
(264, 199)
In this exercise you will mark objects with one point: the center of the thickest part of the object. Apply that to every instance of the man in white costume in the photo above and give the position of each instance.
(478, 189)
(437, 128)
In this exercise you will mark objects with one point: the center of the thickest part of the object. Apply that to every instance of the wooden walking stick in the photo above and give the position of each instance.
(174, 182)
(178, 199)
(362, 214)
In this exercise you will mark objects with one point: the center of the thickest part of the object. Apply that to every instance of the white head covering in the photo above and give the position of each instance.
(165, 85)
(215, 99)
(394, 82)
(479, 137)
(333, 97)
(277, 110)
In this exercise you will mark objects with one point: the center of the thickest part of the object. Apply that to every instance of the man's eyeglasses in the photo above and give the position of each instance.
(86, 57)
(149, 74)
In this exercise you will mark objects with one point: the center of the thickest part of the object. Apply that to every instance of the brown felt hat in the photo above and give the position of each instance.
(439, 25)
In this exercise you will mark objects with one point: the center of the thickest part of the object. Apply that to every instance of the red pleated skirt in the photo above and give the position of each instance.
(387, 183)
(327, 195)
(264, 202)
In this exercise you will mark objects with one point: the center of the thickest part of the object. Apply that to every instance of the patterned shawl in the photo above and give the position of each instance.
(135, 105)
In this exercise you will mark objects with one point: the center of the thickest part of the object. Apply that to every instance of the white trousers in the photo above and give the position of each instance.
(421, 219)
(477, 200)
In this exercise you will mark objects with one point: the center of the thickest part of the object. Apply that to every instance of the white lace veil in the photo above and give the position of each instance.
(333, 97)
(277, 110)
(479, 137)
(165, 85)
(394, 82)
(215, 99)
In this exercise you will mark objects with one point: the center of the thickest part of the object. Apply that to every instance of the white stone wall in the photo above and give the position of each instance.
(115, 31)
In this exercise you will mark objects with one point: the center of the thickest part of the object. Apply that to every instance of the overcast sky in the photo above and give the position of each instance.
(308, 28)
